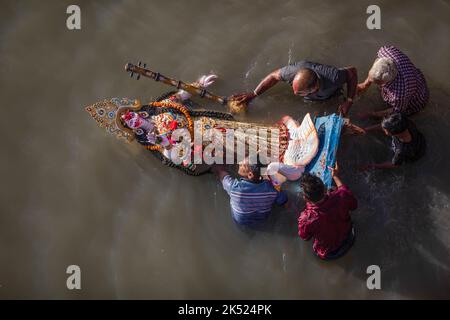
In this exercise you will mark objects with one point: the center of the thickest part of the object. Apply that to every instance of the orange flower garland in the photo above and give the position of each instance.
(176, 106)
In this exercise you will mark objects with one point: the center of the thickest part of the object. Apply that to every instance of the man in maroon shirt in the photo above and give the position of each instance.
(326, 217)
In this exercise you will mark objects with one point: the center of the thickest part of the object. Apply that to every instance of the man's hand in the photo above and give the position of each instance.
(353, 129)
(362, 87)
(334, 174)
(243, 97)
(334, 171)
(343, 108)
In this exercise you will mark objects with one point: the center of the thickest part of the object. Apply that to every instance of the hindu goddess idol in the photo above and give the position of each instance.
(153, 126)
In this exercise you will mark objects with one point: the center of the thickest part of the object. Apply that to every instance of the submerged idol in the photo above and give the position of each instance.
(169, 127)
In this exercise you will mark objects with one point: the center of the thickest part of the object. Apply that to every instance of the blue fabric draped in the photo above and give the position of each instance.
(329, 131)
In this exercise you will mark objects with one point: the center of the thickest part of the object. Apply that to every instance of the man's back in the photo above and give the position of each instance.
(331, 78)
(409, 151)
(251, 202)
(408, 93)
(328, 221)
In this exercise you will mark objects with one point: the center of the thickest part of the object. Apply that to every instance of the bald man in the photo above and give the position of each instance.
(312, 81)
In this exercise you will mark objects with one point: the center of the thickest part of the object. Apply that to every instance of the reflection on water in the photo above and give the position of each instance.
(73, 195)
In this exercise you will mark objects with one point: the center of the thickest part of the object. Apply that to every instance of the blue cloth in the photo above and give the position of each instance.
(251, 202)
(329, 131)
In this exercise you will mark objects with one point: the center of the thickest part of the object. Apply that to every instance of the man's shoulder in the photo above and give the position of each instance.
(343, 192)
(234, 182)
(308, 64)
(267, 186)
(394, 53)
(229, 181)
(244, 185)
(297, 63)
(309, 216)
(287, 73)
(387, 51)
(329, 73)
(240, 183)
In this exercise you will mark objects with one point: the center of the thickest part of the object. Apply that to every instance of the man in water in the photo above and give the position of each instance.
(403, 86)
(408, 144)
(251, 196)
(326, 217)
(310, 80)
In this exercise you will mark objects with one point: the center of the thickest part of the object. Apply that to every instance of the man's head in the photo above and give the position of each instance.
(394, 124)
(249, 171)
(383, 71)
(313, 187)
(305, 82)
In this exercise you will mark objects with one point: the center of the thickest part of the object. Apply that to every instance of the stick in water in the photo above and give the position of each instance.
(232, 105)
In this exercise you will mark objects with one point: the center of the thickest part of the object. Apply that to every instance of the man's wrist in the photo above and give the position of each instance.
(255, 93)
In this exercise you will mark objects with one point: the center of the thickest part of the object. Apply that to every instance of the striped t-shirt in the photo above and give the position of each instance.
(251, 202)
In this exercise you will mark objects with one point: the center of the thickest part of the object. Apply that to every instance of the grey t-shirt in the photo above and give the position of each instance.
(331, 78)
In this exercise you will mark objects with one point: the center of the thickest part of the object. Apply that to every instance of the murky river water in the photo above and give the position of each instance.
(72, 194)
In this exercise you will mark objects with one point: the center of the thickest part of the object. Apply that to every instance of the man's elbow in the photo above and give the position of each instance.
(276, 75)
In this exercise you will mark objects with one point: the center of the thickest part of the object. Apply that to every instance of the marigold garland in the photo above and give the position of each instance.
(175, 106)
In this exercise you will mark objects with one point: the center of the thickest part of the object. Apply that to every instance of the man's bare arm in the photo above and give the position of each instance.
(265, 84)
(362, 87)
(383, 113)
(268, 82)
(334, 174)
(352, 82)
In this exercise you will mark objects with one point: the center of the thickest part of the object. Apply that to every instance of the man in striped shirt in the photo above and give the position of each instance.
(403, 86)
(251, 196)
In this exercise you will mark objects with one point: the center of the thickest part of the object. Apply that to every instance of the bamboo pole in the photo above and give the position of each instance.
(129, 67)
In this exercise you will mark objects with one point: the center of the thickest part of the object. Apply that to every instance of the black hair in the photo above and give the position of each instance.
(395, 123)
(313, 187)
(255, 169)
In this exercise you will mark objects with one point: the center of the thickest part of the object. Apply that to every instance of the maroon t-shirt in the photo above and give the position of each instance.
(328, 222)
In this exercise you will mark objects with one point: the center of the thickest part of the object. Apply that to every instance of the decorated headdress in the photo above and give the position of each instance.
(108, 114)
(132, 119)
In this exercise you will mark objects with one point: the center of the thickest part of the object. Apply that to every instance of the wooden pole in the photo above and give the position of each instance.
(129, 67)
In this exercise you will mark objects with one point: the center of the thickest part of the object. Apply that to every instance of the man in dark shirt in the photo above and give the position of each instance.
(312, 81)
(326, 217)
(408, 144)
